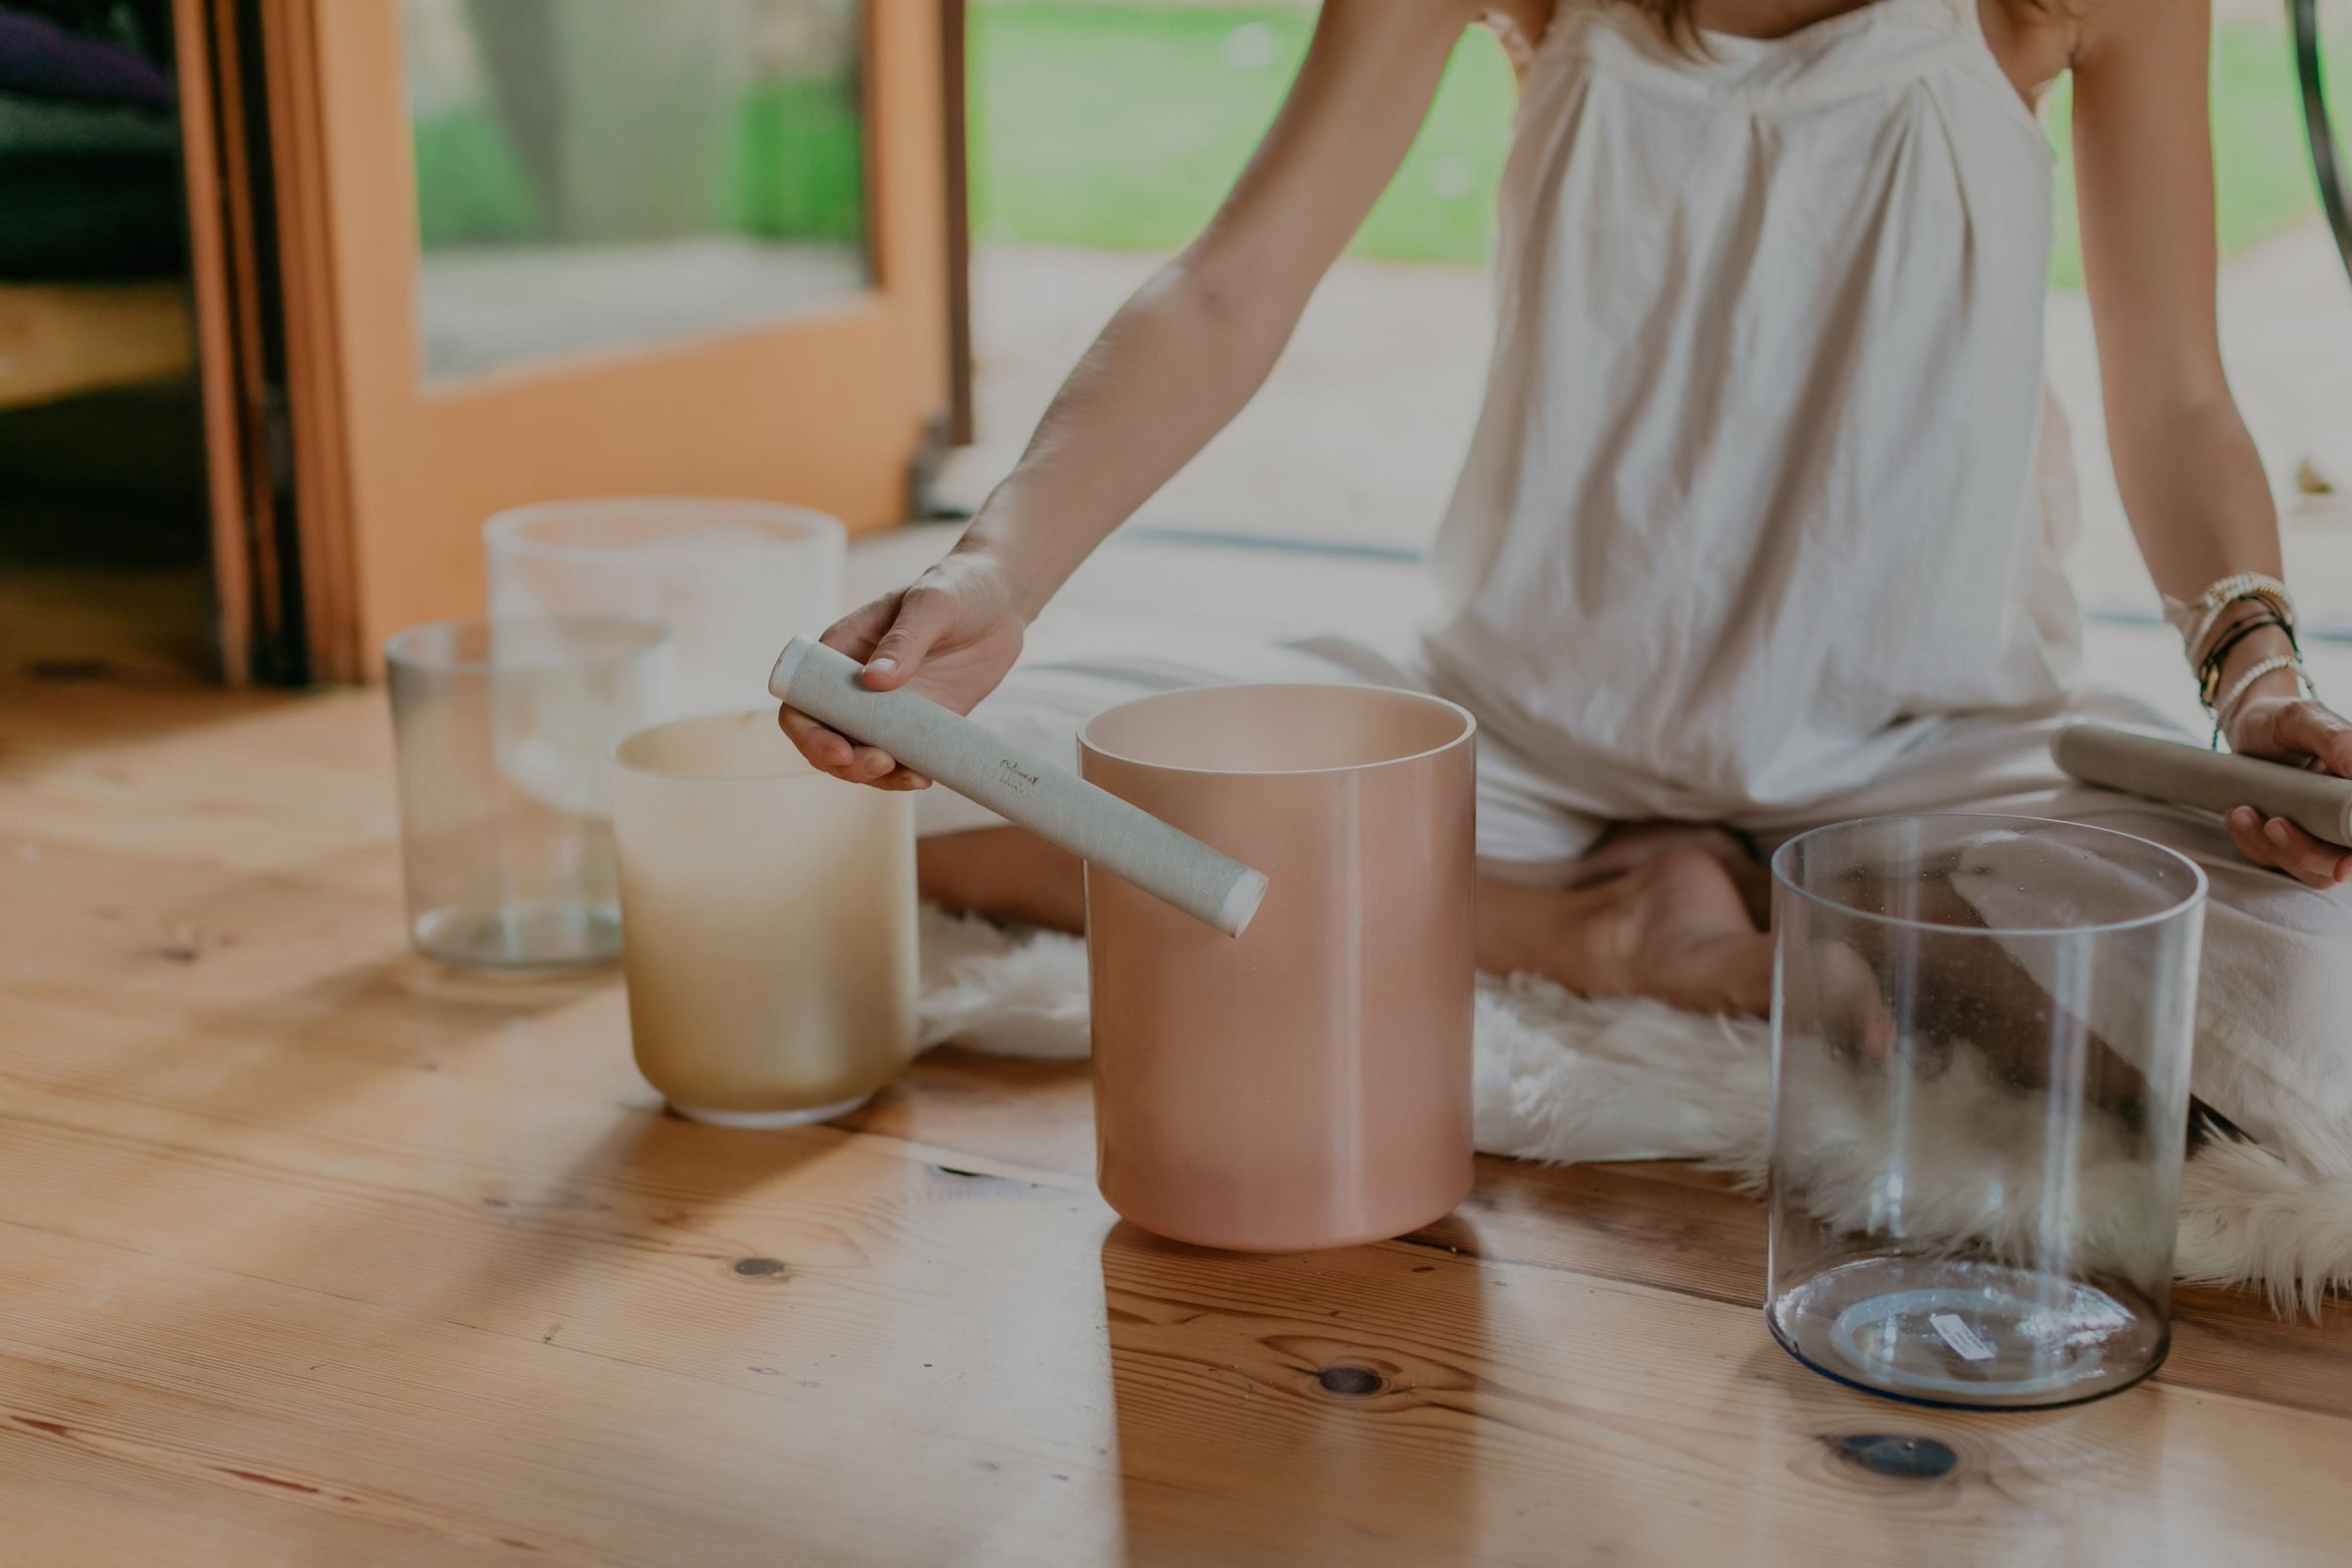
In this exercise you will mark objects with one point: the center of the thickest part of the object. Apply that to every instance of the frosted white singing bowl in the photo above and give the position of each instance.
(771, 913)
(729, 580)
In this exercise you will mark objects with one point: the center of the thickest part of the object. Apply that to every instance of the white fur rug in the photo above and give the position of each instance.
(1563, 1079)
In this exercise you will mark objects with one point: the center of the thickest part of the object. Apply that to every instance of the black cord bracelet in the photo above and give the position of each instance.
(2209, 669)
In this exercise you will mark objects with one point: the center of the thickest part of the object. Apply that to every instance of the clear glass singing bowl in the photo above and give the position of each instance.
(502, 730)
(1982, 1029)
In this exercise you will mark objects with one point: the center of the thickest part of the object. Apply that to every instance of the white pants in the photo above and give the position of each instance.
(2274, 1004)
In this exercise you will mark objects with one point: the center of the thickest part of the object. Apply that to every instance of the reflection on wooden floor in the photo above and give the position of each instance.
(312, 1251)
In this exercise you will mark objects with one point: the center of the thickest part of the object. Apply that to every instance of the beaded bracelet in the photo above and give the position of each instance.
(2195, 620)
(2268, 667)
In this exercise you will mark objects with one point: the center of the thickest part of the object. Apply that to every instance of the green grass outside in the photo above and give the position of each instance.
(471, 188)
(2261, 163)
(800, 165)
(1120, 127)
(796, 171)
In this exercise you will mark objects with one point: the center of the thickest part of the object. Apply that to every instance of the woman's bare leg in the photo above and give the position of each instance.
(1005, 873)
(1673, 925)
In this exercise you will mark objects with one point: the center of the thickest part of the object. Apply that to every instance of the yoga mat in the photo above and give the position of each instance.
(1051, 802)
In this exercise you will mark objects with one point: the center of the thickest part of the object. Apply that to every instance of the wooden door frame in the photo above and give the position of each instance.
(311, 428)
(955, 68)
(265, 289)
(226, 198)
(324, 87)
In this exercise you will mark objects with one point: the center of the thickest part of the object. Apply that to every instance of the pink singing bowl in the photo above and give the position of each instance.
(1306, 1084)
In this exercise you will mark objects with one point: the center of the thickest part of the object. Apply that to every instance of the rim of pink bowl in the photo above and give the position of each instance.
(1088, 732)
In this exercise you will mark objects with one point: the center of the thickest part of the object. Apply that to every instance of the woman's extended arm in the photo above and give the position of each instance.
(2191, 479)
(1172, 369)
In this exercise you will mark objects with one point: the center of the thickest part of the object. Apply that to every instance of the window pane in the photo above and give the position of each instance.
(609, 173)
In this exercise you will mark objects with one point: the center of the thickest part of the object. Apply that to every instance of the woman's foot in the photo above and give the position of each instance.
(1630, 845)
(1684, 935)
(1673, 927)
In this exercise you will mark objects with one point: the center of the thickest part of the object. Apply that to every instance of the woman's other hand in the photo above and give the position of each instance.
(2302, 733)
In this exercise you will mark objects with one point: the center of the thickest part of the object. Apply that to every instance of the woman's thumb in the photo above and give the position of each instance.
(922, 616)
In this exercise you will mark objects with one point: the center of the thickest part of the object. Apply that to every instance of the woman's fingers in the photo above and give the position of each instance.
(830, 752)
(873, 765)
(2245, 836)
(891, 638)
(827, 750)
(859, 634)
(860, 631)
(856, 634)
(2313, 729)
(924, 615)
(2322, 865)
(2282, 845)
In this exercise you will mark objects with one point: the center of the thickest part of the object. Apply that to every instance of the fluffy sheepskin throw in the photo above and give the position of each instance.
(1563, 1079)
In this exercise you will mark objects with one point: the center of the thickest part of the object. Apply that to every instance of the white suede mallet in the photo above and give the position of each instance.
(2163, 768)
(1053, 803)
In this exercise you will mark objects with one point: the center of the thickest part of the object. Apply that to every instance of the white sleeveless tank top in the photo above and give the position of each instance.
(1767, 490)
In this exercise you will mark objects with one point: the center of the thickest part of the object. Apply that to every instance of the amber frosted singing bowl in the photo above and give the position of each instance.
(770, 921)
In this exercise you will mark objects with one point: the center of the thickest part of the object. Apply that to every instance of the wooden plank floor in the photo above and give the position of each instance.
(313, 1254)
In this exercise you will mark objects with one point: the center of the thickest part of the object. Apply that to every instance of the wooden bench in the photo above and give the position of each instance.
(57, 340)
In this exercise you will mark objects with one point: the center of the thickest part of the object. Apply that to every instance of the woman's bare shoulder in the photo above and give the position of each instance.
(2089, 26)
(2035, 40)
(1527, 17)
(1519, 24)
